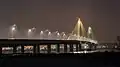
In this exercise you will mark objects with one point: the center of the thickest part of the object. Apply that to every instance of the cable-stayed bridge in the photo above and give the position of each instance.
(78, 33)
(78, 41)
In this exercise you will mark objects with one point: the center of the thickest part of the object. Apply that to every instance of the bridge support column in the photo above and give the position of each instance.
(79, 47)
(22, 49)
(58, 48)
(89, 44)
(65, 48)
(76, 47)
(34, 49)
(38, 48)
(14, 49)
(71, 47)
(49, 48)
(95, 46)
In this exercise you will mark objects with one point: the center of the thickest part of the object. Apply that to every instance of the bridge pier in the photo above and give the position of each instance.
(90, 46)
(14, 49)
(49, 48)
(22, 49)
(77, 47)
(95, 46)
(38, 48)
(58, 48)
(65, 48)
(34, 49)
(71, 47)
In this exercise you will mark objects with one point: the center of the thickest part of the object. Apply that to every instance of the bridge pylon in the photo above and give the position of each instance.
(79, 29)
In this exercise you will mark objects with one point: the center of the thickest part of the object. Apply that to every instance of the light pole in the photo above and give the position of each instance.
(29, 33)
(41, 35)
(13, 31)
(49, 35)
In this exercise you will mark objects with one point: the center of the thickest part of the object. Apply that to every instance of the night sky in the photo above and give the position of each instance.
(102, 15)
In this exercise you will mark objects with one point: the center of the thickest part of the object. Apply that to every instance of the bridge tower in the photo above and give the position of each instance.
(79, 29)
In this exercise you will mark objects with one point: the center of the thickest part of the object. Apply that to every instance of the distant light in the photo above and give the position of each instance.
(29, 30)
(85, 47)
(13, 28)
(41, 32)
(49, 33)
(58, 34)
(89, 30)
(85, 51)
(115, 46)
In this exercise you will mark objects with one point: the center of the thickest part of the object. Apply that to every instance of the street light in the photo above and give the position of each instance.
(41, 34)
(58, 35)
(29, 32)
(13, 30)
(49, 33)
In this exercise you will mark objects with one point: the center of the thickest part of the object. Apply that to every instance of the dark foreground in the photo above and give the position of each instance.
(62, 60)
